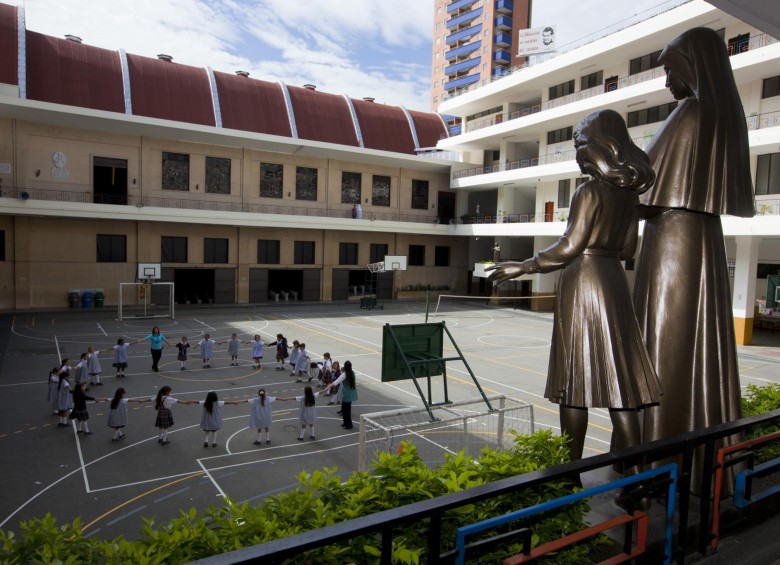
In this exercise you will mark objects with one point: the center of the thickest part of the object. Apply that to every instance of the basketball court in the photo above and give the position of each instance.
(112, 486)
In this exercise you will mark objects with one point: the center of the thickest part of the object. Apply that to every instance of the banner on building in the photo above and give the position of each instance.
(536, 40)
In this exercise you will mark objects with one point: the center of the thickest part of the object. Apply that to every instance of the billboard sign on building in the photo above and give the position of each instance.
(536, 40)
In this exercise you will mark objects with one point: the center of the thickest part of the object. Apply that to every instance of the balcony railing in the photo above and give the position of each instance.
(755, 42)
(180, 203)
(463, 50)
(457, 83)
(462, 66)
(503, 22)
(458, 4)
(468, 32)
(758, 121)
(463, 18)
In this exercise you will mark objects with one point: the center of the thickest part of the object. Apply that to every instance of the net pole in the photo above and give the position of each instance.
(362, 446)
(500, 431)
(120, 302)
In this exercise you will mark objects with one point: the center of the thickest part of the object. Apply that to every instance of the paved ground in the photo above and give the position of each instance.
(111, 486)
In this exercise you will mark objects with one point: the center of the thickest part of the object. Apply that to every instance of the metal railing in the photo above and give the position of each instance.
(428, 514)
(184, 203)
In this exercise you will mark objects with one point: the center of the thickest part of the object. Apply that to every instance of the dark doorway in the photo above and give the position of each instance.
(340, 284)
(194, 286)
(109, 180)
(446, 204)
(258, 285)
(285, 284)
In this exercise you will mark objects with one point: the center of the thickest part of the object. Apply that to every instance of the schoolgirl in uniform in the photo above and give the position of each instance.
(80, 370)
(54, 381)
(257, 351)
(117, 415)
(120, 357)
(80, 412)
(233, 344)
(294, 356)
(211, 418)
(281, 351)
(163, 403)
(260, 417)
(93, 366)
(64, 397)
(303, 364)
(307, 410)
(336, 388)
(325, 375)
(182, 346)
(206, 346)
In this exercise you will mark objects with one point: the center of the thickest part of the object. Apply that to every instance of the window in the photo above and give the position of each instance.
(561, 89)
(417, 255)
(768, 174)
(650, 115)
(763, 270)
(442, 256)
(304, 253)
(559, 135)
(380, 190)
(348, 253)
(644, 63)
(579, 180)
(350, 188)
(271, 180)
(175, 171)
(217, 175)
(2, 245)
(268, 251)
(173, 249)
(215, 250)
(771, 87)
(306, 183)
(111, 248)
(419, 194)
(377, 252)
(564, 190)
(591, 80)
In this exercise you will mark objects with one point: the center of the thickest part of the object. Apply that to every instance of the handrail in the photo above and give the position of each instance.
(434, 508)
(184, 203)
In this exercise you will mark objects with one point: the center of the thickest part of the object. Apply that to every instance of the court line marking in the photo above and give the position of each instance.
(81, 456)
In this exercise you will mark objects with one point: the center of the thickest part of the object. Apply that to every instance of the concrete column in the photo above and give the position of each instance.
(544, 284)
(744, 295)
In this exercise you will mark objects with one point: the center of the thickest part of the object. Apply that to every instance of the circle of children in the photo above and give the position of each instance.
(69, 401)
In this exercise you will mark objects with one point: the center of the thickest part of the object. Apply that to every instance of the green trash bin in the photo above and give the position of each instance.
(99, 298)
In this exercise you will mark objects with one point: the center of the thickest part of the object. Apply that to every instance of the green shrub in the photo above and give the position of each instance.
(322, 499)
(758, 400)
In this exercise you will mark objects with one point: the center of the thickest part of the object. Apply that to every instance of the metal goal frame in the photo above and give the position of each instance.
(148, 284)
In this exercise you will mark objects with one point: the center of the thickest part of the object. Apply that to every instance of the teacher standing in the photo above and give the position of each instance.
(348, 393)
(682, 295)
(156, 339)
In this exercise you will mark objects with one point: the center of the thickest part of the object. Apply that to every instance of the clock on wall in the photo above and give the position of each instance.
(60, 160)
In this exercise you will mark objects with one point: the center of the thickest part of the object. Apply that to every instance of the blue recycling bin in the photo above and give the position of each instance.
(86, 299)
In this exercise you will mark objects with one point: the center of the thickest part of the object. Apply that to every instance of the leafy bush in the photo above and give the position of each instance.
(321, 499)
(758, 400)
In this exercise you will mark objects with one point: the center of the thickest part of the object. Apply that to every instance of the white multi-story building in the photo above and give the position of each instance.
(518, 170)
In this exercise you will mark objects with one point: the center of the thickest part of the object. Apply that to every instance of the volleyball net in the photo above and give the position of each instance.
(452, 304)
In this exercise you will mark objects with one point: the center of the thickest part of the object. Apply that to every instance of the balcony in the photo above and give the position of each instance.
(504, 6)
(461, 82)
(503, 23)
(504, 57)
(463, 50)
(464, 18)
(502, 40)
(462, 66)
(459, 4)
(465, 34)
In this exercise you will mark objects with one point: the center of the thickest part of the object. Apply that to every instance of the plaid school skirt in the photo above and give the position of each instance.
(164, 418)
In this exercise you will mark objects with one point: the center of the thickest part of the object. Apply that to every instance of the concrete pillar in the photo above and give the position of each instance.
(544, 284)
(744, 295)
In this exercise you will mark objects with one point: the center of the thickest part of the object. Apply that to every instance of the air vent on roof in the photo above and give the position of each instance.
(310, 86)
(74, 38)
(164, 57)
(242, 73)
(368, 98)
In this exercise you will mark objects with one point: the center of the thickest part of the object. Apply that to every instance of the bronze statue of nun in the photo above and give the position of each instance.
(681, 294)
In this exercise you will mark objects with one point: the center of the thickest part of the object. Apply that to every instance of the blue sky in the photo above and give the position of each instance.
(356, 47)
